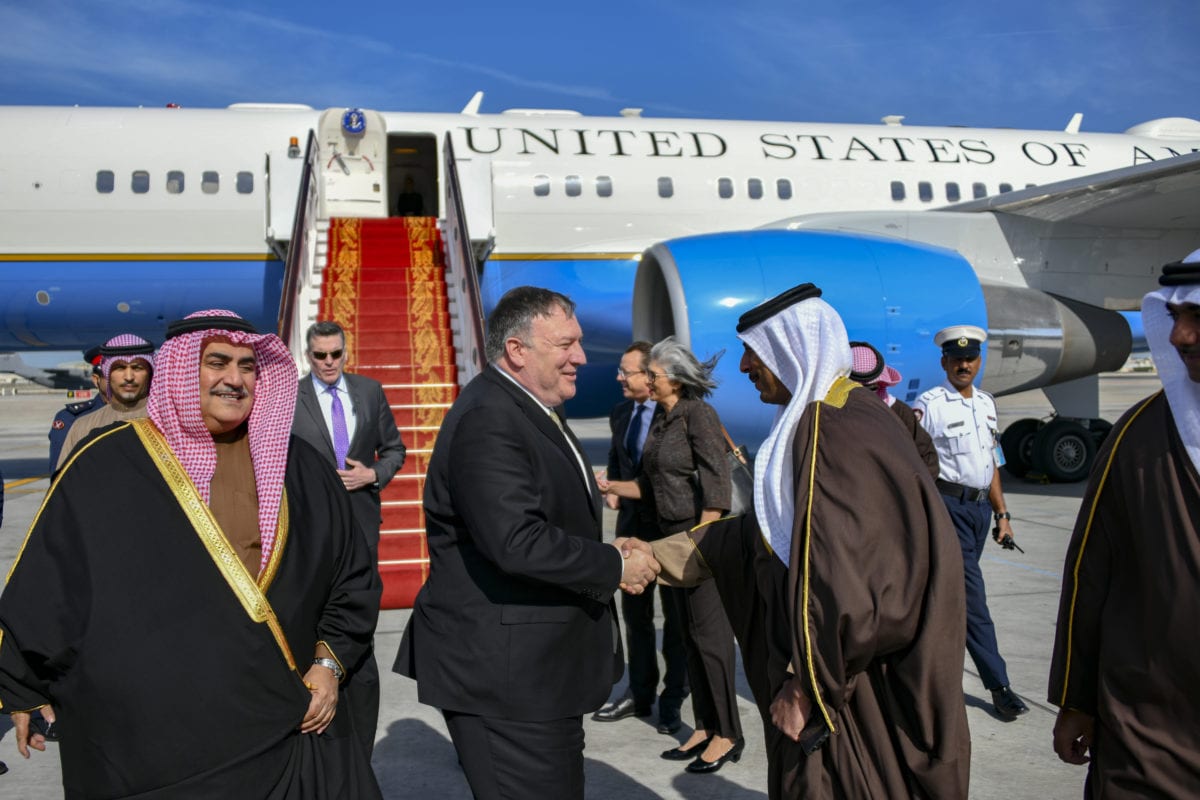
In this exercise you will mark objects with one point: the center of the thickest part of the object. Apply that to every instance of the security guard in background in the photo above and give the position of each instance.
(64, 419)
(962, 421)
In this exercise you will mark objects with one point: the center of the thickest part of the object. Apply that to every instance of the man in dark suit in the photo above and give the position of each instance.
(347, 417)
(630, 422)
(513, 636)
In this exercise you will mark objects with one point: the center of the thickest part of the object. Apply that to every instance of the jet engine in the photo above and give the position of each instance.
(892, 293)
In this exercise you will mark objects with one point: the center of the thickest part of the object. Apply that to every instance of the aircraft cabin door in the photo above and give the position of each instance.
(415, 190)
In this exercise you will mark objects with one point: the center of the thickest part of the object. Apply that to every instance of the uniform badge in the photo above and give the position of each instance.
(962, 341)
(59, 425)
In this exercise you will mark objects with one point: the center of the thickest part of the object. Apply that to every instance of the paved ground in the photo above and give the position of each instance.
(414, 758)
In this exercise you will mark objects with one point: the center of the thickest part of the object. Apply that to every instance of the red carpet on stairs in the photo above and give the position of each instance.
(385, 284)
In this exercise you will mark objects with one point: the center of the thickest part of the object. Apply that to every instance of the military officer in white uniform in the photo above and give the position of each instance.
(962, 421)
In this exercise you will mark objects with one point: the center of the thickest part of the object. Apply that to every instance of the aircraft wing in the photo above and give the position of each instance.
(51, 377)
(1162, 194)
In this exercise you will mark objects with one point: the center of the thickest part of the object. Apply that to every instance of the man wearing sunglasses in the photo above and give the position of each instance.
(347, 418)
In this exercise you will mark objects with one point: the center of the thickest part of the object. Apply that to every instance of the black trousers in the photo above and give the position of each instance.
(711, 660)
(642, 649)
(361, 697)
(507, 760)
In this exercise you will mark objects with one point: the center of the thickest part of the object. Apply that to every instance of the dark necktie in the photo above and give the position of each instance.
(341, 440)
(633, 435)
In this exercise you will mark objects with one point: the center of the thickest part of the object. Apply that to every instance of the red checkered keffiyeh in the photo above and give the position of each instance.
(126, 347)
(174, 406)
(870, 370)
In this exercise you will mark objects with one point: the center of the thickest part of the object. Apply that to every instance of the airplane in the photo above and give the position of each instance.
(120, 219)
(60, 377)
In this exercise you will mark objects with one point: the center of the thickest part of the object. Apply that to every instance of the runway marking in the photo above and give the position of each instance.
(23, 481)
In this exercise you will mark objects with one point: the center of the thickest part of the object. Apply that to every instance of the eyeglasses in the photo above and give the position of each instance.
(652, 376)
(319, 356)
(625, 373)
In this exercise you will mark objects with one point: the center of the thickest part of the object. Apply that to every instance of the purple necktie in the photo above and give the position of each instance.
(341, 441)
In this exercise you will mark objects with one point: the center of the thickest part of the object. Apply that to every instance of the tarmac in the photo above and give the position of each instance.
(415, 759)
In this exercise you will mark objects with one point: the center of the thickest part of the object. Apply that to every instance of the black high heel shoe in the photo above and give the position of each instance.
(734, 755)
(675, 754)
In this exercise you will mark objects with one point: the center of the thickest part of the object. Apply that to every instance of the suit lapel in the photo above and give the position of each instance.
(308, 401)
(359, 400)
(536, 414)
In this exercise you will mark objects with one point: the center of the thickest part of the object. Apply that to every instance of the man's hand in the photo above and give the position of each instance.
(1002, 530)
(21, 723)
(790, 708)
(1073, 735)
(640, 568)
(357, 475)
(323, 685)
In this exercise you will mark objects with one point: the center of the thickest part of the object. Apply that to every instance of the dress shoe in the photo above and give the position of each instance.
(675, 754)
(1007, 704)
(625, 707)
(669, 722)
(734, 755)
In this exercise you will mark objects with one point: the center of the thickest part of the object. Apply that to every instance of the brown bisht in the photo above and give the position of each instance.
(870, 612)
(1126, 651)
(174, 672)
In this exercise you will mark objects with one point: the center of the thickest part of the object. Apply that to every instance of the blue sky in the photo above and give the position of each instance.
(1020, 63)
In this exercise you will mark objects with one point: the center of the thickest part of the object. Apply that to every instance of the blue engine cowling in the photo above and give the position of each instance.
(893, 294)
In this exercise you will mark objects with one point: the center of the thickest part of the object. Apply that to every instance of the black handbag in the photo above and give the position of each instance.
(741, 477)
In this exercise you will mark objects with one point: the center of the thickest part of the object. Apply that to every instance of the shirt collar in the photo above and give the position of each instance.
(321, 386)
(517, 383)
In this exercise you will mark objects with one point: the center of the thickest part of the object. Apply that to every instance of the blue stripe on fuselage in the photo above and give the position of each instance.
(77, 302)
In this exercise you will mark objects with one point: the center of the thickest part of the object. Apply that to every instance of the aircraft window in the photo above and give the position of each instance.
(754, 188)
(666, 187)
(978, 190)
(140, 183)
(604, 186)
(897, 190)
(574, 187)
(783, 187)
(245, 182)
(1005, 187)
(541, 185)
(925, 191)
(210, 181)
(105, 181)
(175, 182)
(725, 188)
(1030, 185)
(952, 192)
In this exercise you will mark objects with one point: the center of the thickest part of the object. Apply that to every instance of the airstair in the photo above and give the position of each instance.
(405, 290)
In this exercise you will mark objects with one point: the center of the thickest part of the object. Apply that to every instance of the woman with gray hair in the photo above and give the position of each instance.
(685, 479)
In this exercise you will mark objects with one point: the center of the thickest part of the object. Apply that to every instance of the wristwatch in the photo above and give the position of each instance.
(329, 663)
(999, 515)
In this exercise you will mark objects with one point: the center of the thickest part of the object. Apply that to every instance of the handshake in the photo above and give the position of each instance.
(640, 567)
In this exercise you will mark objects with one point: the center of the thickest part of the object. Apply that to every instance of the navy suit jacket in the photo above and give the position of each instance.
(376, 442)
(516, 619)
(634, 517)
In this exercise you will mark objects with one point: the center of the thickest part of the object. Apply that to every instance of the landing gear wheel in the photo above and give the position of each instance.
(1064, 450)
(1100, 429)
(1017, 443)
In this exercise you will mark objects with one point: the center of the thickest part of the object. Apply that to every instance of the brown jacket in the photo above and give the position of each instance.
(684, 467)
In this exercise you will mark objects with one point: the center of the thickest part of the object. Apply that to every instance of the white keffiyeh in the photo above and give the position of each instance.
(1183, 394)
(806, 346)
